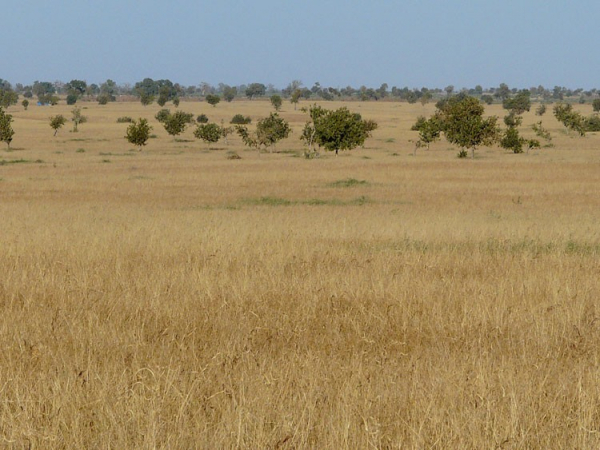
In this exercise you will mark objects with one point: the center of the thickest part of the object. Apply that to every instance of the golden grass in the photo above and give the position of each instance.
(176, 299)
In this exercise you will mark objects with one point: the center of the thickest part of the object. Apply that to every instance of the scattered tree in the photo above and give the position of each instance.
(487, 99)
(268, 132)
(572, 120)
(25, 104)
(229, 93)
(541, 110)
(461, 120)
(213, 99)
(429, 132)
(209, 133)
(596, 105)
(255, 90)
(77, 118)
(276, 102)
(138, 133)
(162, 115)
(336, 130)
(6, 129)
(57, 122)
(295, 97)
(8, 97)
(519, 103)
(71, 98)
(177, 122)
(146, 98)
(202, 118)
(239, 119)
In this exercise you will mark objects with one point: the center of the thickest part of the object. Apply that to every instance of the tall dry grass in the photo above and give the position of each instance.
(177, 299)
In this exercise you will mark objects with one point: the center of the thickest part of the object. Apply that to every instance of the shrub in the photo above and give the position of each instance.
(125, 119)
(71, 99)
(239, 119)
(162, 115)
(202, 118)
(592, 123)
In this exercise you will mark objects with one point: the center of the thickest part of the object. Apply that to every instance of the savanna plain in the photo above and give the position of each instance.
(176, 298)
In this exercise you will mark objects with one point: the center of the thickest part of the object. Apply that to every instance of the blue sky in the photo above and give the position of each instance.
(412, 43)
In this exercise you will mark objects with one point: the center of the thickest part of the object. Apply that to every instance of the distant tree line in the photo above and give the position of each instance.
(164, 90)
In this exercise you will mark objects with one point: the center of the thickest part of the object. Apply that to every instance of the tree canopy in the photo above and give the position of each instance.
(336, 130)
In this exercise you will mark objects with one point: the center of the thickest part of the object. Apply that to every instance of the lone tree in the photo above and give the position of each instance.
(596, 105)
(6, 129)
(77, 118)
(269, 131)
(57, 122)
(138, 133)
(336, 130)
(213, 99)
(209, 133)
(276, 101)
(461, 120)
(25, 104)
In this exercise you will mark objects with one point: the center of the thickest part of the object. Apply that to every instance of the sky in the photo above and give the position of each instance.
(414, 43)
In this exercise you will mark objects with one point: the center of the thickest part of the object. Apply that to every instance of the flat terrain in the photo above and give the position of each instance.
(175, 298)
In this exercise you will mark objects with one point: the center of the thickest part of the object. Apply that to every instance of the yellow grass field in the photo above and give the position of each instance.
(176, 299)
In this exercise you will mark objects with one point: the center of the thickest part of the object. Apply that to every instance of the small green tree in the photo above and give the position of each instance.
(162, 115)
(572, 120)
(519, 103)
(336, 130)
(138, 133)
(25, 104)
(6, 129)
(429, 132)
(295, 97)
(276, 102)
(596, 105)
(229, 93)
(209, 133)
(145, 97)
(541, 110)
(462, 122)
(213, 99)
(269, 131)
(71, 98)
(57, 122)
(8, 97)
(77, 118)
(177, 122)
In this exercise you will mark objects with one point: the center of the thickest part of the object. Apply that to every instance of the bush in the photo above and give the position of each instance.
(125, 119)
(71, 99)
(162, 115)
(239, 119)
(202, 118)
(592, 123)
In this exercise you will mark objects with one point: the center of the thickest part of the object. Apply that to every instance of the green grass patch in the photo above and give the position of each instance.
(348, 182)
(80, 150)
(5, 162)
(278, 201)
(116, 154)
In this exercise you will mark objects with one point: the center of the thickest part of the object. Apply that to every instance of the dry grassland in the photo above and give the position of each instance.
(177, 299)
